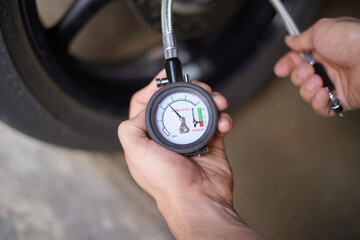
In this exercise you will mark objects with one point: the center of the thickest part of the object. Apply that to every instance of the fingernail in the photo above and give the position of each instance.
(310, 84)
(215, 95)
(304, 71)
(225, 121)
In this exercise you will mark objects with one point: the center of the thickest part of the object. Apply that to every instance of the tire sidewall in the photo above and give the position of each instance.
(31, 101)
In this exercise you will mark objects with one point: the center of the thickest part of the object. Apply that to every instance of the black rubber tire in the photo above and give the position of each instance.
(58, 119)
(32, 103)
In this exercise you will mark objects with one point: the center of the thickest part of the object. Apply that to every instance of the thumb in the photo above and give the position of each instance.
(302, 43)
(133, 130)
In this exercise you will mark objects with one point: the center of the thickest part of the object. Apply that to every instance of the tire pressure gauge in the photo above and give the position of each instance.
(182, 117)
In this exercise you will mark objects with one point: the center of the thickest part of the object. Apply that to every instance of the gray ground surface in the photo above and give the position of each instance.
(296, 174)
(296, 177)
(53, 193)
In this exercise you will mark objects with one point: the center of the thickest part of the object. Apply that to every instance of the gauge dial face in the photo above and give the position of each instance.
(182, 118)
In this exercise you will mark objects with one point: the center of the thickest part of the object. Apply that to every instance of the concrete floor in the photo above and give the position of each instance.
(296, 177)
(48, 192)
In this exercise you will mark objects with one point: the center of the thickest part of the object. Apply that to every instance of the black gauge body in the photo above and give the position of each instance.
(159, 108)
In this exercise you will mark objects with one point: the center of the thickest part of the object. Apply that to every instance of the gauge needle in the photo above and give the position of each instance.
(183, 128)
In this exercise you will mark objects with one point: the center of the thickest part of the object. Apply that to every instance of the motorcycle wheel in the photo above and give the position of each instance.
(50, 92)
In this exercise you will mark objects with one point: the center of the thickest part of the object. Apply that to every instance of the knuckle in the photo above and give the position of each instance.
(219, 96)
(295, 79)
(206, 87)
(320, 105)
(202, 85)
(122, 127)
(316, 106)
(305, 95)
(320, 110)
(322, 21)
(136, 96)
(319, 29)
(194, 82)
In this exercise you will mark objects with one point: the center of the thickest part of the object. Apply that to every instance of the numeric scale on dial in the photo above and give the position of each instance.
(182, 117)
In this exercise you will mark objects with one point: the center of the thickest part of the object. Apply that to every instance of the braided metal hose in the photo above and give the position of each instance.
(169, 42)
(166, 17)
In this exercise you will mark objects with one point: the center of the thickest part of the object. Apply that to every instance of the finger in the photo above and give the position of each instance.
(220, 101)
(310, 88)
(141, 98)
(320, 103)
(287, 64)
(133, 130)
(302, 73)
(225, 124)
(217, 141)
(203, 85)
(302, 43)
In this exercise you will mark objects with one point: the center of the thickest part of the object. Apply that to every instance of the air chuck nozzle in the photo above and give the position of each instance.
(335, 105)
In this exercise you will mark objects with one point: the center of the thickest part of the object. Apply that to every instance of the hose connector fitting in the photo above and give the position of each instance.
(169, 43)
